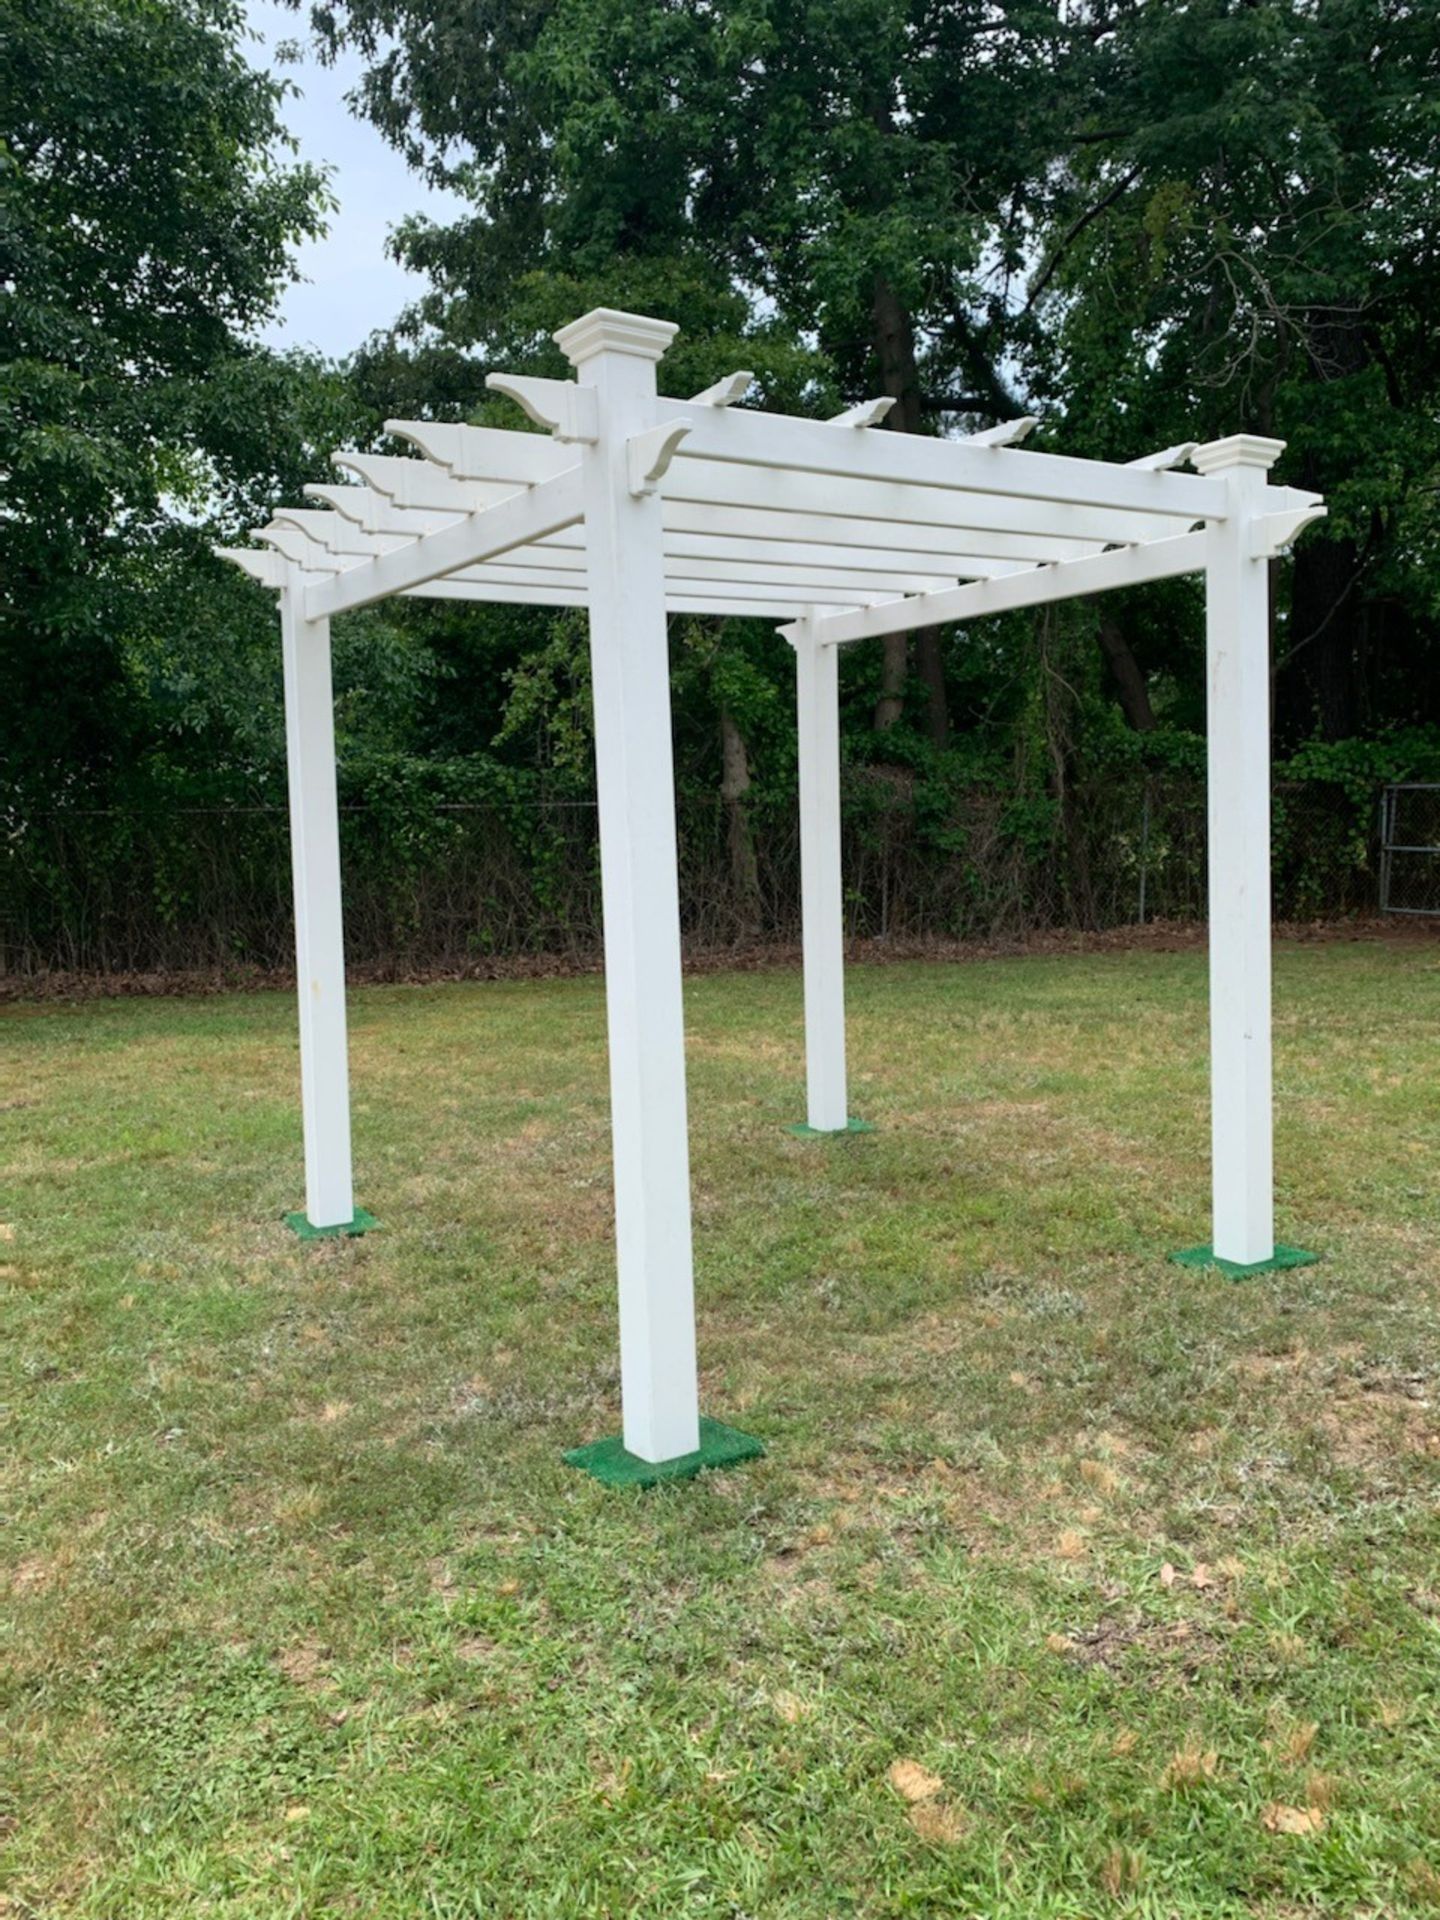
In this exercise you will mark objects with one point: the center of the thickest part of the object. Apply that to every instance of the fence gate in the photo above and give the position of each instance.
(1410, 848)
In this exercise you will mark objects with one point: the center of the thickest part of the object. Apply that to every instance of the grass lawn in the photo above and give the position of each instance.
(1073, 1583)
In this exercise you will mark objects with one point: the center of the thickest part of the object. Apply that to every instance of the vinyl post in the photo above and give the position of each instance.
(817, 701)
(615, 355)
(1237, 644)
(319, 930)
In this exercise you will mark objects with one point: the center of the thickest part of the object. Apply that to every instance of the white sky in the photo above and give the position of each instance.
(350, 285)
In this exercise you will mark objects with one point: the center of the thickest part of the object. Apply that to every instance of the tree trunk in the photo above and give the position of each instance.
(894, 670)
(734, 785)
(894, 341)
(1125, 670)
(1318, 683)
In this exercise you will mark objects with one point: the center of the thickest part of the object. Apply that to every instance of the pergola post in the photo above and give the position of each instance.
(614, 354)
(319, 935)
(817, 701)
(1237, 645)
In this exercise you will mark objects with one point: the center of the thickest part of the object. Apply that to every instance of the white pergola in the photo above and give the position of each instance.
(636, 506)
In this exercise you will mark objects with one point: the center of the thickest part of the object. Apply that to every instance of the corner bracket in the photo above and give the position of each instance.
(566, 410)
(1272, 532)
(648, 455)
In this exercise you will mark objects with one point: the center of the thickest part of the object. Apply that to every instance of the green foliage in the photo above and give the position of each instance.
(1361, 767)
(1245, 235)
(668, 158)
(146, 227)
(1149, 224)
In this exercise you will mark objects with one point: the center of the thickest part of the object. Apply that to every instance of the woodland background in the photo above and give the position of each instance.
(1144, 221)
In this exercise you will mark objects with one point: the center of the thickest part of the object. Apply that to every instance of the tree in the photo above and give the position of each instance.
(146, 227)
(1248, 236)
(836, 194)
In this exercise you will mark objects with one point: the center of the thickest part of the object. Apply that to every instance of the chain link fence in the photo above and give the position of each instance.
(198, 889)
(1410, 849)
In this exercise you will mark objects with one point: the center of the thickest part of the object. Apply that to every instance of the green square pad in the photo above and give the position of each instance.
(608, 1460)
(1282, 1258)
(803, 1132)
(360, 1222)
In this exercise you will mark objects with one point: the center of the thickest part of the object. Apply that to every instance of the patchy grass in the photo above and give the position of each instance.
(1073, 1582)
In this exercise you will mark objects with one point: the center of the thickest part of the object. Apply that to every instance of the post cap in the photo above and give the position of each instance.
(1240, 450)
(606, 330)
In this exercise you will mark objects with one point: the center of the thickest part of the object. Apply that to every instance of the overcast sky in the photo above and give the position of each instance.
(350, 286)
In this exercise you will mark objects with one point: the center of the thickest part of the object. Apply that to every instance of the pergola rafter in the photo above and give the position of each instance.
(635, 506)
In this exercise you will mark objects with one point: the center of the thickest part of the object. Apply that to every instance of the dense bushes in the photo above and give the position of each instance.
(448, 864)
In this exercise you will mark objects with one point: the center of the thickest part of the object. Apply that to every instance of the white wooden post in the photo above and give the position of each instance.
(615, 355)
(817, 703)
(319, 939)
(1237, 643)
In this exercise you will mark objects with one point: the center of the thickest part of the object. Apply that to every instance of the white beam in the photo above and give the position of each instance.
(1237, 647)
(269, 569)
(478, 594)
(772, 528)
(336, 534)
(516, 522)
(1035, 586)
(319, 936)
(775, 560)
(830, 581)
(738, 589)
(421, 484)
(817, 704)
(813, 447)
(615, 356)
(765, 539)
(899, 506)
(715, 603)
(769, 532)
(298, 547)
(777, 507)
(709, 602)
(486, 453)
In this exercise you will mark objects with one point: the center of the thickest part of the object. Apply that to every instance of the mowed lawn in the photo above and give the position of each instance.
(1073, 1582)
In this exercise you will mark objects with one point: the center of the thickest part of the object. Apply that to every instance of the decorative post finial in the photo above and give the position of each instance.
(1239, 450)
(607, 330)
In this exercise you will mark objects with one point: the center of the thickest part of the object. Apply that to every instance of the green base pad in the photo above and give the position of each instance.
(804, 1132)
(1281, 1258)
(360, 1222)
(720, 1446)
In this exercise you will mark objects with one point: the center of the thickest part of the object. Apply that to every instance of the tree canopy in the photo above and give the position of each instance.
(1145, 221)
(1151, 222)
(147, 227)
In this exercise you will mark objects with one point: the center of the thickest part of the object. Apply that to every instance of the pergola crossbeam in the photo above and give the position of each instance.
(487, 453)
(767, 539)
(1035, 586)
(894, 505)
(548, 506)
(758, 440)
